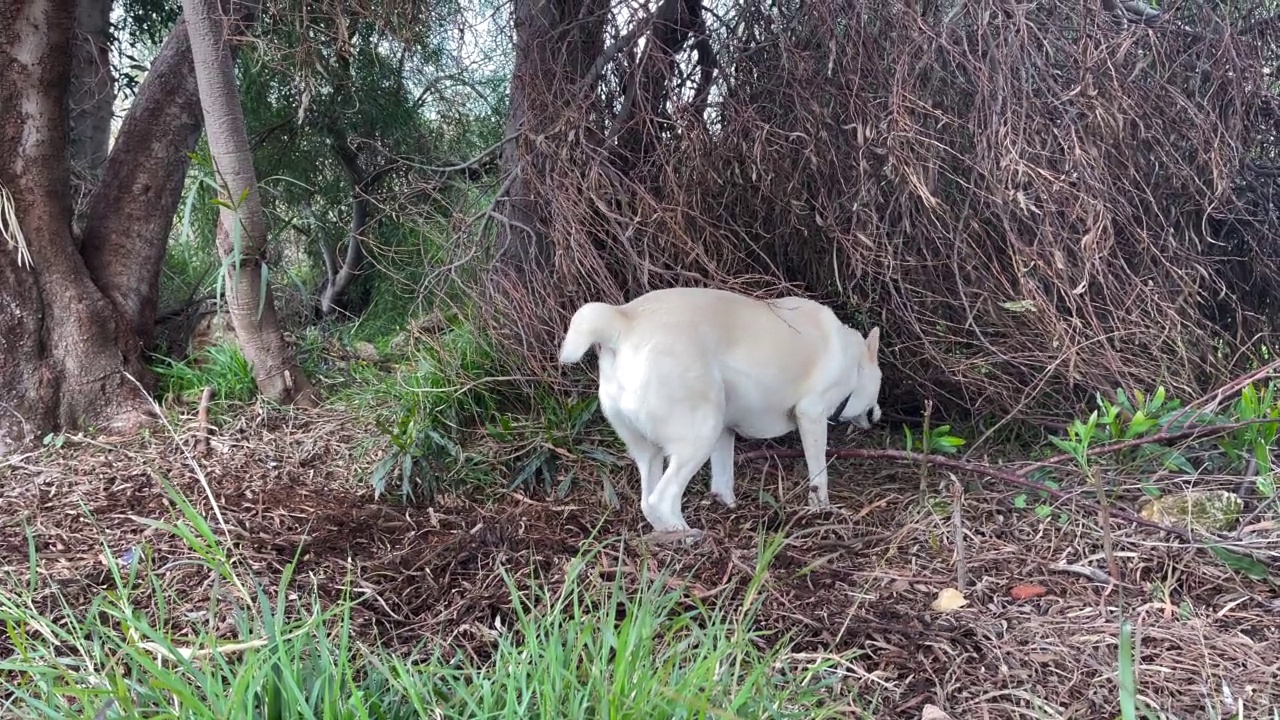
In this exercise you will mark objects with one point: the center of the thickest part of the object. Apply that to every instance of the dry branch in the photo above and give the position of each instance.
(987, 187)
(202, 420)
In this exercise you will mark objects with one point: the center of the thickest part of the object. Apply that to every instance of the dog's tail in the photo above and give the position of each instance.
(594, 324)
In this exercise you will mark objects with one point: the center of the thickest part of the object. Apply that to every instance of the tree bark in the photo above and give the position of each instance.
(130, 213)
(65, 368)
(340, 275)
(92, 98)
(242, 228)
(644, 106)
(557, 43)
(25, 385)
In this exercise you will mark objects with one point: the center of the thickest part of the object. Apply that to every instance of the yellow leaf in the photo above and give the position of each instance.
(949, 599)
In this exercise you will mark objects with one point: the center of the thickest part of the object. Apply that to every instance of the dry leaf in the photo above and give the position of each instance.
(933, 712)
(949, 599)
(1026, 592)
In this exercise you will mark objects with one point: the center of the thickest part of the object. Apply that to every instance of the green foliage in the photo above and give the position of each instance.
(1254, 444)
(1127, 675)
(1138, 416)
(538, 445)
(588, 649)
(938, 440)
(191, 258)
(1246, 450)
(1042, 506)
(445, 393)
(451, 416)
(222, 367)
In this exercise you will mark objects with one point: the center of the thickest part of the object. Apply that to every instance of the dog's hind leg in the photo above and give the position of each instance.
(813, 436)
(647, 456)
(722, 469)
(664, 512)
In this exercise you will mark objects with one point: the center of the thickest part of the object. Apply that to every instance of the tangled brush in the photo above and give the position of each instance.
(1033, 201)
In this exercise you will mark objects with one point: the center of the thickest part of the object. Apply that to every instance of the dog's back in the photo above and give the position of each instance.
(684, 358)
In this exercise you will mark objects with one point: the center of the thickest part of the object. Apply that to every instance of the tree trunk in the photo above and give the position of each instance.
(557, 44)
(644, 107)
(63, 365)
(242, 228)
(131, 211)
(25, 386)
(92, 98)
(339, 275)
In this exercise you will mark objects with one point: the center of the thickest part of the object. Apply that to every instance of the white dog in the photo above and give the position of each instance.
(682, 370)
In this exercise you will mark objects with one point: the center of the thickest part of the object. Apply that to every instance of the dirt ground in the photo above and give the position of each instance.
(860, 577)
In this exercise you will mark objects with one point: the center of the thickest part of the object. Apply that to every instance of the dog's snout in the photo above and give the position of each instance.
(867, 418)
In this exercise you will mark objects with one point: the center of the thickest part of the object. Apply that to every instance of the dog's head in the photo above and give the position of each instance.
(863, 406)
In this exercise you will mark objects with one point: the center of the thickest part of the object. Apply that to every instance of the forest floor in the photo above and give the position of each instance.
(859, 578)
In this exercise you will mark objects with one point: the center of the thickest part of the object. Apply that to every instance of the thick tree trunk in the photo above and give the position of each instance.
(26, 408)
(131, 212)
(242, 233)
(92, 98)
(65, 363)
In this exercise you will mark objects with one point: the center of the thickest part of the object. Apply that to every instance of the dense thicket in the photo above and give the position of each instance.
(1034, 201)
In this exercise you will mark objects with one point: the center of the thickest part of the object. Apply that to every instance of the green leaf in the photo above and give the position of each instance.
(610, 494)
(1266, 486)
(406, 473)
(1123, 400)
(379, 475)
(1065, 446)
(1019, 306)
(1243, 564)
(1178, 461)
(262, 291)
(1127, 680)
(1158, 400)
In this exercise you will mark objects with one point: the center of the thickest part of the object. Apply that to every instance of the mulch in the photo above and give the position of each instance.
(291, 486)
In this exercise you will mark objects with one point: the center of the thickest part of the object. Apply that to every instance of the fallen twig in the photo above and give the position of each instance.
(1093, 574)
(957, 526)
(1011, 478)
(202, 421)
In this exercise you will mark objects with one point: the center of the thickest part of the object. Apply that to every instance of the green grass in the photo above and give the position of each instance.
(221, 366)
(592, 649)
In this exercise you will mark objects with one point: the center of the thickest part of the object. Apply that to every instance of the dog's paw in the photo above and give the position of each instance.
(685, 537)
(725, 498)
(818, 498)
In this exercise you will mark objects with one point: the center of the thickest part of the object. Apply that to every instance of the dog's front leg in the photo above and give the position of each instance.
(722, 469)
(813, 436)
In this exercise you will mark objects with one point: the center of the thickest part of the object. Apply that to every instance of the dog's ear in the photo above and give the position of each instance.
(873, 344)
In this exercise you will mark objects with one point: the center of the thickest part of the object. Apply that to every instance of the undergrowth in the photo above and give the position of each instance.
(222, 367)
(591, 648)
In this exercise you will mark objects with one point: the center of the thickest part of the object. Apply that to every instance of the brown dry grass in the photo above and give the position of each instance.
(858, 578)
(1033, 200)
